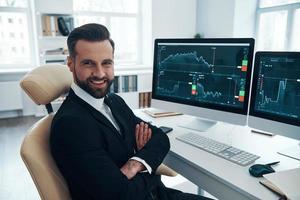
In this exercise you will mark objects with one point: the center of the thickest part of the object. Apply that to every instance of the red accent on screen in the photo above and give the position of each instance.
(241, 98)
(244, 68)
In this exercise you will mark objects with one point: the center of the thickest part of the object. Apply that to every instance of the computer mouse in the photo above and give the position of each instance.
(258, 170)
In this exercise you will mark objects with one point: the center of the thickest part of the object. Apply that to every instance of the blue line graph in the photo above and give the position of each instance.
(280, 95)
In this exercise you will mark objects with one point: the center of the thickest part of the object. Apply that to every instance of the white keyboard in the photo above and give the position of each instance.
(225, 151)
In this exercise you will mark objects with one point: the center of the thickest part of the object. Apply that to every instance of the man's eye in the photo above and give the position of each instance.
(87, 63)
(108, 63)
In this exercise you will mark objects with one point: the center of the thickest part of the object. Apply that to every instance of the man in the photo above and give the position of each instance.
(102, 149)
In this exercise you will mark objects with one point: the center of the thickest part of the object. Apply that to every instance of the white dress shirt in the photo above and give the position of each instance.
(99, 105)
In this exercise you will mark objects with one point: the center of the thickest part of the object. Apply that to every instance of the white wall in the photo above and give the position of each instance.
(27, 106)
(215, 17)
(244, 18)
(173, 18)
(54, 6)
(226, 18)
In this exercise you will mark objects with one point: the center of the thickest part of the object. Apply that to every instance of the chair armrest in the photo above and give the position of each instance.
(165, 170)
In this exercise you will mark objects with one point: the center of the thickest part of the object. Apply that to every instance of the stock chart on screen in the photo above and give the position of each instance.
(207, 73)
(278, 86)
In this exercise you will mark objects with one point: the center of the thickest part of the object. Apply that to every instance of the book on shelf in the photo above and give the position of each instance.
(56, 55)
(60, 61)
(53, 22)
(132, 83)
(49, 25)
(128, 83)
(140, 100)
(55, 51)
(114, 88)
(124, 84)
(150, 97)
(145, 99)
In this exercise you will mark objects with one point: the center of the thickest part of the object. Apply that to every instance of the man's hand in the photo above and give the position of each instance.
(142, 135)
(131, 168)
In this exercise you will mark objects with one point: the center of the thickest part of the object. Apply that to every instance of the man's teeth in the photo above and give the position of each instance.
(98, 82)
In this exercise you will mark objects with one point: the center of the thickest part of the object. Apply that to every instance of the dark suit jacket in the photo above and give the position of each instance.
(89, 151)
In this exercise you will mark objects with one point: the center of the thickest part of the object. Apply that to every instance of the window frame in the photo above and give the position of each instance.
(290, 8)
(139, 30)
(28, 11)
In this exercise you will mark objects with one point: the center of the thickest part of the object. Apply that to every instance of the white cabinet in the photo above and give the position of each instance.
(11, 97)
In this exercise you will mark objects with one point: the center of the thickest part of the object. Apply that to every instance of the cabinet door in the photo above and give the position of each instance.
(131, 98)
(145, 82)
(11, 98)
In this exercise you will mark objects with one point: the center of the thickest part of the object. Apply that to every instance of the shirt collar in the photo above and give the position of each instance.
(96, 103)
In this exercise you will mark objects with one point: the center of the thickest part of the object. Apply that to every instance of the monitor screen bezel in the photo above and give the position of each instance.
(252, 111)
(243, 110)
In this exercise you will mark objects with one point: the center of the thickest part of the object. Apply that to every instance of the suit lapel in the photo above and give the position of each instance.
(126, 134)
(120, 117)
(123, 121)
(95, 113)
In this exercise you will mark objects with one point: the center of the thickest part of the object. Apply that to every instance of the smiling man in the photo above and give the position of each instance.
(102, 149)
(91, 78)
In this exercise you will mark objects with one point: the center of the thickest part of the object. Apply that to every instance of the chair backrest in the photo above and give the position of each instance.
(46, 83)
(35, 152)
(43, 85)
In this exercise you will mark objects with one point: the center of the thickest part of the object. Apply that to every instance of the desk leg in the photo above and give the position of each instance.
(200, 191)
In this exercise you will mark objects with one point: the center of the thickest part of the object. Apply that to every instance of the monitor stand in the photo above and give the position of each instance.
(292, 152)
(198, 124)
(262, 132)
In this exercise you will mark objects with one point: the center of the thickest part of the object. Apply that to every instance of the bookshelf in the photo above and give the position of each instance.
(53, 29)
(134, 86)
(54, 21)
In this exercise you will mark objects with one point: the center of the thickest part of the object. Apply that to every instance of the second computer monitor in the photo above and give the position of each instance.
(209, 78)
(275, 97)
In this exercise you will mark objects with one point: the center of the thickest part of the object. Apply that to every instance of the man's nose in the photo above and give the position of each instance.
(99, 71)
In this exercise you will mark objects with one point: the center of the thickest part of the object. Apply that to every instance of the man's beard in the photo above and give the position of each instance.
(95, 92)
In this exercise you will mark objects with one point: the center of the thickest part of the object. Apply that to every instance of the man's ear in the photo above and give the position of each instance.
(71, 63)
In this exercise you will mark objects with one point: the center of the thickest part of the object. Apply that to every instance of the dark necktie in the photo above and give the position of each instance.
(108, 102)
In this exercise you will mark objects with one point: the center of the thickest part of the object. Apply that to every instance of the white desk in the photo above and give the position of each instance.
(222, 178)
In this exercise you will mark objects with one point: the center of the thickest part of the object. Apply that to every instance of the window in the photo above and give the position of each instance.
(15, 46)
(295, 44)
(272, 3)
(278, 26)
(121, 17)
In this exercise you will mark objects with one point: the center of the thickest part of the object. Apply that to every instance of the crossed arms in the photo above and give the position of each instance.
(143, 134)
(85, 163)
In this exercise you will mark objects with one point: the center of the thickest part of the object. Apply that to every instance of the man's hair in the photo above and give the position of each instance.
(90, 32)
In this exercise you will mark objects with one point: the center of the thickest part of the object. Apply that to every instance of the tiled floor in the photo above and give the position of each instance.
(15, 181)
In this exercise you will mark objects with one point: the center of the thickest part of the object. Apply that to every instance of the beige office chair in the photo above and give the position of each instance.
(43, 85)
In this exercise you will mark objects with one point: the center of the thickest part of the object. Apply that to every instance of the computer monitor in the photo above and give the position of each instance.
(207, 78)
(275, 96)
